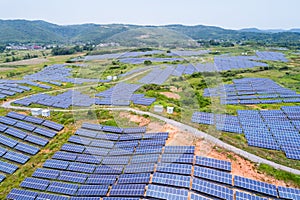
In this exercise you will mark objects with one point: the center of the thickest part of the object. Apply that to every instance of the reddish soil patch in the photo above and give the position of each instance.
(142, 121)
(243, 167)
(171, 95)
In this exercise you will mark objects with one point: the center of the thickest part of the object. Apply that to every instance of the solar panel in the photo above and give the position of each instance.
(109, 169)
(63, 188)
(288, 193)
(45, 196)
(255, 186)
(213, 175)
(21, 194)
(61, 155)
(121, 151)
(135, 190)
(102, 143)
(45, 132)
(179, 149)
(34, 120)
(213, 163)
(120, 198)
(53, 125)
(15, 115)
(198, 197)
(163, 192)
(7, 141)
(178, 158)
(171, 180)
(27, 148)
(96, 151)
(151, 158)
(122, 160)
(212, 189)
(16, 157)
(81, 167)
(134, 178)
(36, 140)
(25, 126)
(85, 198)
(7, 167)
(139, 168)
(3, 127)
(101, 179)
(148, 150)
(245, 196)
(79, 140)
(56, 164)
(91, 159)
(73, 148)
(46, 173)
(72, 177)
(92, 190)
(174, 168)
(16, 133)
(34, 183)
(96, 127)
(8, 121)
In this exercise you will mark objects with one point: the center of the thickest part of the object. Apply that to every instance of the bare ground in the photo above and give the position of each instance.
(171, 95)
(33, 61)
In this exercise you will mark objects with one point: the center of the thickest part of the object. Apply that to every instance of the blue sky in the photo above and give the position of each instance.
(234, 14)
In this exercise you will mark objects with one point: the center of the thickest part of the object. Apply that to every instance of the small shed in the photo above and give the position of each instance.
(158, 108)
(170, 110)
(109, 78)
(36, 111)
(46, 113)
(115, 78)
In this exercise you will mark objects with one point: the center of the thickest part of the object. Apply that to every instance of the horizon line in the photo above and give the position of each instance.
(156, 25)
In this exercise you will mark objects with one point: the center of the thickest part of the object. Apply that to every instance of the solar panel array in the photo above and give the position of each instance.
(122, 55)
(12, 87)
(92, 171)
(270, 129)
(154, 60)
(122, 94)
(157, 75)
(271, 56)
(21, 137)
(58, 73)
(64, 100)
(187, 53)
(253, 91)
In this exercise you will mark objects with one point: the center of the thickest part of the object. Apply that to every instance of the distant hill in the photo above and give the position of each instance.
(23, 31)
(153, 36)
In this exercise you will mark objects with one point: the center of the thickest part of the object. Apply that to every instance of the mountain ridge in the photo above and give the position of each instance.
(39, 31)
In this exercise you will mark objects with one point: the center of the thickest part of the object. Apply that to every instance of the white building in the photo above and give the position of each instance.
(158, 108)
(46, 113)
(170, 110)
(36, 111)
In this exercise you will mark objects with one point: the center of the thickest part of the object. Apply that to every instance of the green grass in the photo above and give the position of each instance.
(292, 179)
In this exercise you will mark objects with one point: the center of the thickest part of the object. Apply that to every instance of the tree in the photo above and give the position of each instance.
(147, 62)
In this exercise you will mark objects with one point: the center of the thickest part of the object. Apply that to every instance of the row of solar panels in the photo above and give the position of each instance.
(75, 180)
(253, 91)
(114, 96)
(12, 88)
(16, 130)
(274, 129)
(57, 73)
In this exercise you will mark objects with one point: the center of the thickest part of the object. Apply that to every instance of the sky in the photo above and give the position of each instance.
(232, 14)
